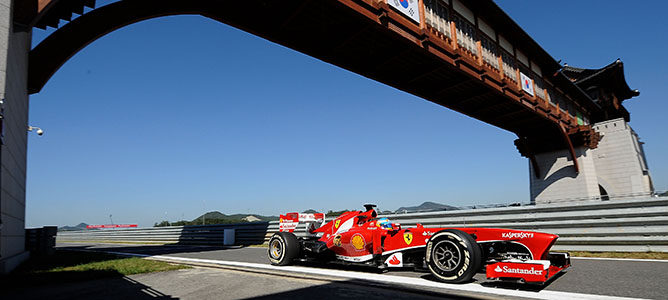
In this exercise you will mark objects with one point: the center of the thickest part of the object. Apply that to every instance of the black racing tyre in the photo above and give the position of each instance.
(283, 248)
(453, 256)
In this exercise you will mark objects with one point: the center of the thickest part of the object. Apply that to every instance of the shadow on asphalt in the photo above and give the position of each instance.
(408, 272)
(431, 277)
(116, 287)
(35, 279)
(424, 274)
(355, 290)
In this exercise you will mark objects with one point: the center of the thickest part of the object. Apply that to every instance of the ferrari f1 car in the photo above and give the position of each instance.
(452, 255)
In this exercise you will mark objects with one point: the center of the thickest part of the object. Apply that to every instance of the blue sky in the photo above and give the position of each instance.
(171, 117)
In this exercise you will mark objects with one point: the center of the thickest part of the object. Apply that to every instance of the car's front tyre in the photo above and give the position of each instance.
(453, 256)
(283, 248)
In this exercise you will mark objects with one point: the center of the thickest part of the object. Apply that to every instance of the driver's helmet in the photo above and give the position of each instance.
(384, 223)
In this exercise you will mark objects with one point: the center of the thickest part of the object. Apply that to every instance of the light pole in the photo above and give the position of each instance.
(37, 129)
(110, 219)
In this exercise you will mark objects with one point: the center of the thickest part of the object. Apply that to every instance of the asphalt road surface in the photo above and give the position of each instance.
(209, 283)
(622, 278)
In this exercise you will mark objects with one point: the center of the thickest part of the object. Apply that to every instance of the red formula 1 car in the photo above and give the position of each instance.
(452, 255)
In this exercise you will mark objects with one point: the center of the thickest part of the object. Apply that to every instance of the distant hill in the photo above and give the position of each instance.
(212, 215)
(81, 226)
(235, 218)
(216, 217)
(427, 206)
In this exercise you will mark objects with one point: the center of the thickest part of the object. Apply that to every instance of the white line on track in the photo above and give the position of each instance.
(621, 259)
(387, 279)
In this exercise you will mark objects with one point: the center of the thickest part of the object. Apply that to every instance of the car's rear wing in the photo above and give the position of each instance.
(289, 221)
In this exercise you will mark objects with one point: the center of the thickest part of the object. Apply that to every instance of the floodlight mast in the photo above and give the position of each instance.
(38, 130)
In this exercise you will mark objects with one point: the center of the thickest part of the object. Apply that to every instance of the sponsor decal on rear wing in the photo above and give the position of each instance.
(289, 221)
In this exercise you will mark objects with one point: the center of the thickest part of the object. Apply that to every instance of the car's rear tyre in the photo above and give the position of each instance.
(453, 256)
(283, 248)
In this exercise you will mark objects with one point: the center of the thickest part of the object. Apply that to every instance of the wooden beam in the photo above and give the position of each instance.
(530, 153)
(349, 39)
(43, 4)
(508, 115)
(490, 108)
(531, 119)
(448, 83)
(469, 97)
(425, 74)
(449, 88)
(567, 139)
(294, 14)
(28, 12)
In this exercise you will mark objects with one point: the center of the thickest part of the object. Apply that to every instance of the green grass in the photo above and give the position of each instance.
(72, 266)
(637, 255)
(123, 266)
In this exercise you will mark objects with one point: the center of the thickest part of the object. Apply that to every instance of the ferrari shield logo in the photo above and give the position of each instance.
(336, 224)
(408, 238)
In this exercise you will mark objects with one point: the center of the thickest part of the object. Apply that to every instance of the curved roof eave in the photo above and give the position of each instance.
(613, 72)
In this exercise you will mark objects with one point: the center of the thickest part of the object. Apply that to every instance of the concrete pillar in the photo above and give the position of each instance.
(617, 168)
(558, 181)
(14, 48)
(621, 165)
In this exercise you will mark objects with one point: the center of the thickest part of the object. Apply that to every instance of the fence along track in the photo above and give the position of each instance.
(615, 225)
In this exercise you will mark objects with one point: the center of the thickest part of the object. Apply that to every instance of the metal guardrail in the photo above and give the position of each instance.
(245, 234)
(617, 225)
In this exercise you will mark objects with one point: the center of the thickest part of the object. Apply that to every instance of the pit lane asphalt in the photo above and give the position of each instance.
(637, 279)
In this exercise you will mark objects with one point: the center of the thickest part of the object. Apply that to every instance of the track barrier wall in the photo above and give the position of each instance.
(616, 225)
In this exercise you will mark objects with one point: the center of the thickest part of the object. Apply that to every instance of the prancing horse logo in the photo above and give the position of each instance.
(337, 223)
(408, 238)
